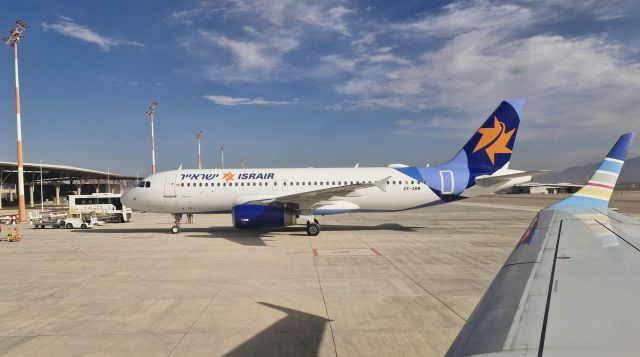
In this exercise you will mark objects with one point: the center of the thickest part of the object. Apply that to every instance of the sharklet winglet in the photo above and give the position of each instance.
(597, 191)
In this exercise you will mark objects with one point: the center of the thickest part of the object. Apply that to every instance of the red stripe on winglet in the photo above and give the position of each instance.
(315, 252)
(375, 251)
(599, 185)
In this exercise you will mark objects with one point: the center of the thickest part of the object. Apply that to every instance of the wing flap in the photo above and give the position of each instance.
(492, 180)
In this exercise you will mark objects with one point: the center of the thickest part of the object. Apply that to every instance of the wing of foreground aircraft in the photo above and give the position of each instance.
(571, 286)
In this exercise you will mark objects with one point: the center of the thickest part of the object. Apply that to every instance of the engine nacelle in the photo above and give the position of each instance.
(248, 216)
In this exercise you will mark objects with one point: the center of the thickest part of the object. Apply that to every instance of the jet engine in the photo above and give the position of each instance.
(250, 216)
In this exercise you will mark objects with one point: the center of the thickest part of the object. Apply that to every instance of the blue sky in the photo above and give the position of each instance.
(289, 83)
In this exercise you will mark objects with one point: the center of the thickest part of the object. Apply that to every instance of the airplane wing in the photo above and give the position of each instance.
(309, 199)
(492, 180)
(571, 286)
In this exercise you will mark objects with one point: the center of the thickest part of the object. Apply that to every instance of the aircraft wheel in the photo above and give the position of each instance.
(313, 229)
(175, 229)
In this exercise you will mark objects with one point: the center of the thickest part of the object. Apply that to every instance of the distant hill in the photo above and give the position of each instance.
(580, 174)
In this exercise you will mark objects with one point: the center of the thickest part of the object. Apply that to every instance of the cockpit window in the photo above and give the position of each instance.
(148, 184)
(141, 184)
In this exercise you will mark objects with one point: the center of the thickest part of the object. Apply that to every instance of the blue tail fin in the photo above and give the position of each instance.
(597, 191)
(489, 149)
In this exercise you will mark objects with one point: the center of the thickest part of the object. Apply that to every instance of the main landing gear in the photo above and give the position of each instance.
(177, 219)
(313, 229)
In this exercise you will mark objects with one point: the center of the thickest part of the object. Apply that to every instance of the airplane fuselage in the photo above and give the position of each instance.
(218, 191)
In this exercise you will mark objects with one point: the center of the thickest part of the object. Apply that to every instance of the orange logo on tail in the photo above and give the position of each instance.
(494, 140)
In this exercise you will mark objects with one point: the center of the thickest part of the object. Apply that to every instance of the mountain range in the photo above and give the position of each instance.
(580, 174)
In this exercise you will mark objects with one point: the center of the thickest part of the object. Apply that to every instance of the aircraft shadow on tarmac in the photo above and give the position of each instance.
(246, 237)
(297, 334)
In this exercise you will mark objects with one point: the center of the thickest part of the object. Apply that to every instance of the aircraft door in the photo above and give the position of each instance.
(446, 182)
(170, 186)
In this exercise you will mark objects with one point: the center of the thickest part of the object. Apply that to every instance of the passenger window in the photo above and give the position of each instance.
(182, 184)
(224, 184)
(237, 184)
(188, 184)
(275, 184)
(394, 182)
(302, 183)
(259, 183)
(218, 184)
(284, 183)
(200, 184)
(333, 183)
(320, 183)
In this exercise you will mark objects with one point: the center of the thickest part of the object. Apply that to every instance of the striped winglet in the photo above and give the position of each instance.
(597, 191)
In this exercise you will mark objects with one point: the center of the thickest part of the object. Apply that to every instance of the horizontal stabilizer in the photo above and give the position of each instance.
(492, 180)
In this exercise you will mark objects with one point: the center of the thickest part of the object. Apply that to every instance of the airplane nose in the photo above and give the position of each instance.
(128, 197)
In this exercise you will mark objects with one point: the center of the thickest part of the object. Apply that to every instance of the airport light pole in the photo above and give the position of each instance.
(222, 155)
(151, 113)
(198, 137)
(108, 181)
(12, 40)
(41, 192)
(242, 162)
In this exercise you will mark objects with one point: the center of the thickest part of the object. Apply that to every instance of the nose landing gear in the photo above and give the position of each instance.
(177, 219)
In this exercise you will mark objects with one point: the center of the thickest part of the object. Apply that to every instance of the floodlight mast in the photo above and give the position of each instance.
(198, 137)
(151, 112)
(222, 155)
(12, 40)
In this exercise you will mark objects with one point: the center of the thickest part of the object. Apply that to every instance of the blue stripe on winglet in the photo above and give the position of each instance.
(611, 166)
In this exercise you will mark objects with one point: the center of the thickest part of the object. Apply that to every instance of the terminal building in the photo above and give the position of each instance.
(54, 182)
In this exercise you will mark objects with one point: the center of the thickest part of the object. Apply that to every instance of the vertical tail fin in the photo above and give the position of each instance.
(597, 191)
(489, 149)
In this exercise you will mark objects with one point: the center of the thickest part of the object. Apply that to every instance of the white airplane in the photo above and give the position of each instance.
(274, 198)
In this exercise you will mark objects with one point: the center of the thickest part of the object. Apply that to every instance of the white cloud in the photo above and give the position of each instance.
(247, 54)
(388, 57)
(234, 101)
(68, 27)
(270, 31)
(464, 16)
(586, 81)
